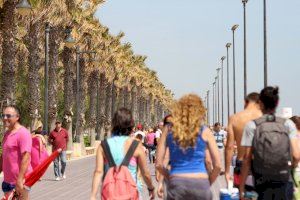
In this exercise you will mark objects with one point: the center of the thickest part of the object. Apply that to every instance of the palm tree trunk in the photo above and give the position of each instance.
(150, 110)
(93, 79)
(8, 32)
(121, 97)
(134, 104)
(154, 113)
(127, 98)
(81, 106)
(32, 43)
(101, 108)
(68, 62)
(108, 108)
(54, 42)
(113, 99)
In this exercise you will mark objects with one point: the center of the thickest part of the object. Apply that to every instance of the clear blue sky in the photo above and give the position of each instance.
(184, 41)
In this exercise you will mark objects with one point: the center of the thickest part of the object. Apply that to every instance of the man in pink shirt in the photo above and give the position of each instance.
(15, 159)
(59, 140)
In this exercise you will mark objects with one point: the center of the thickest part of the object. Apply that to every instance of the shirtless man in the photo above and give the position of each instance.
(236, 126)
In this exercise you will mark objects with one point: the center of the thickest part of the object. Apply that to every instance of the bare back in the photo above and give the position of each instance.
(239, 121)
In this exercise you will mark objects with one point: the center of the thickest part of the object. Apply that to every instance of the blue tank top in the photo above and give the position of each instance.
(190, 160)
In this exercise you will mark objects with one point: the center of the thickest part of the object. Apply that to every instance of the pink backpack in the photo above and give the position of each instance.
(118, 183)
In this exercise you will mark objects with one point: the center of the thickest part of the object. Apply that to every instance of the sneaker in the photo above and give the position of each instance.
(57, 179)
(64, 176)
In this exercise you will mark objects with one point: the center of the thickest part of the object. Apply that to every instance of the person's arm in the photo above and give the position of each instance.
(246, 143)
(24, 165)
(1, 161)
(229, 149)
(214, 153)
(40, 146)
(51, 138)
(142, 165)
(245, 169)
(98, 173)
(161, 151)
(208, 162)
(294, 141)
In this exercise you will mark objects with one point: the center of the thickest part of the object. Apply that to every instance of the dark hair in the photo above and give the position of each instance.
(16, 109)
(122, 122)
(139, 136)
(166, 119)
(296, 120)
(217, 124)
(252, 97)
(269, 98)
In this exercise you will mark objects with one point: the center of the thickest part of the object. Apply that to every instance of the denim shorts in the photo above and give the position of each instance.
(7, 187)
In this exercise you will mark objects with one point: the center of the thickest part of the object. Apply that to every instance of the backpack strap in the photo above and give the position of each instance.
(130, 153)
(107, 153)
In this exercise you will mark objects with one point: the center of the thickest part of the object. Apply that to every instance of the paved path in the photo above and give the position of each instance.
(78, 183)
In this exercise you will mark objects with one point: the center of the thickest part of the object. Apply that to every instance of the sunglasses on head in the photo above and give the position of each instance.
(7, 116)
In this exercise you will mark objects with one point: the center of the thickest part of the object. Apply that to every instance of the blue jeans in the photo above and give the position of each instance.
(62, 157)
(272, 190)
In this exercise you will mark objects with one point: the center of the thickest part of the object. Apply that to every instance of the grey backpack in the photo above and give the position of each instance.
(271, 150)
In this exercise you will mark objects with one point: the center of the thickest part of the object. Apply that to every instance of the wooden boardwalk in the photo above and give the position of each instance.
(77, 186)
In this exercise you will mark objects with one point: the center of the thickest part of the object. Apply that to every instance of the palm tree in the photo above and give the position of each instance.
(33, 44)
(69, 76)
(108, 108)
(8, 33)
(55, 38)
(101, 107)
(92, 87)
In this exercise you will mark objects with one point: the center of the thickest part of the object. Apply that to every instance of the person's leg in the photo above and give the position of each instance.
(56, 167)
(284, 190)
(264, 191)
(63, 160)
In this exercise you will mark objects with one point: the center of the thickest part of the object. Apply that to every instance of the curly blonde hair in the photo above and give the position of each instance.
(187, 116)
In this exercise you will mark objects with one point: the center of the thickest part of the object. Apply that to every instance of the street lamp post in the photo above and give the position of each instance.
(216, 98)
(228, 92)
(245, 49)
(218, 78)
(46, 105)
(214, 103)
(208, 114)
(265, 46)
(222, 86)
(233, 61)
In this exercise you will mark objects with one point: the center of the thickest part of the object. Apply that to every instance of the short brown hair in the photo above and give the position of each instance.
(296, 120)
(252, 97)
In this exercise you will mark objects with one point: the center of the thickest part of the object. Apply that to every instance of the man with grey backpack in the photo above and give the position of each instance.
(270, 148)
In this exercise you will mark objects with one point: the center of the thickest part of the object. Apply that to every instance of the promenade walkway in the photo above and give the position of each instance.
(78, 183)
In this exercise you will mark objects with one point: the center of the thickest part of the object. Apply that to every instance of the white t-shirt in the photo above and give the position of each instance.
(158, 133)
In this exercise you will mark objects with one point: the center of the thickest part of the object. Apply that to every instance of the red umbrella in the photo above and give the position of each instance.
(38, 172)
(34, 176)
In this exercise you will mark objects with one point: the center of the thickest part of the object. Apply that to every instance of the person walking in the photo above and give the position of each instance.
(270, 146)
(296, 170)
(220, 137)
(16, 150)
(188, 178)
(58, 138)
(236, 125)
(150, 144)
(119, 146)
(38, 152)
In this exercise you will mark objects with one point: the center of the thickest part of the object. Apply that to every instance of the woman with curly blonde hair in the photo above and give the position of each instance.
(188, 178)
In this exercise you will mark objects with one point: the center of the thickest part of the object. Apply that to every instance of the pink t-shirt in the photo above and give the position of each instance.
(14, 146)
(150, 138)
